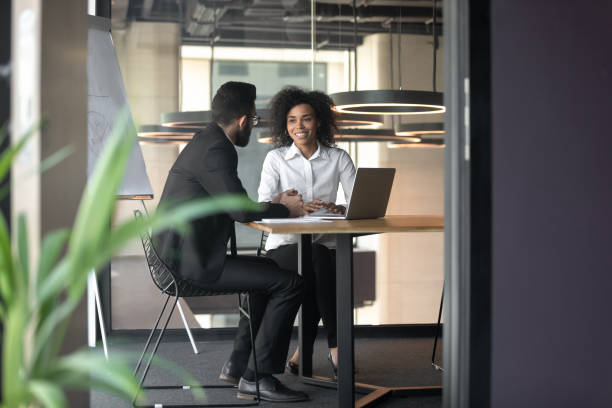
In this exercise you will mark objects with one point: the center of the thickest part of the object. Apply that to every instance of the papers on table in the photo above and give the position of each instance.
(300, 220)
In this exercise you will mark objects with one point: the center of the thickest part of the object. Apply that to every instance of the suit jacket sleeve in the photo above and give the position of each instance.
(218, 175)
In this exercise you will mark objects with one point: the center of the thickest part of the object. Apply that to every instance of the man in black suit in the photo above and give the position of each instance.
(207, 166)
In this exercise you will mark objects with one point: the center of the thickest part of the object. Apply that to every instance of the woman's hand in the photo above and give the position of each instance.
(318, 204)
(336, 209)
(313, 206)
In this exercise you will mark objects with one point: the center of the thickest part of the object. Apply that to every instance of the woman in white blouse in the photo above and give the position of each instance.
(306, 160)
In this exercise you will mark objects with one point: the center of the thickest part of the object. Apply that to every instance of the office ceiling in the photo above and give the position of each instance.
(281, 23)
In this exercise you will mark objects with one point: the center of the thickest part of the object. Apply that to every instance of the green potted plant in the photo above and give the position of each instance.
(36, 301)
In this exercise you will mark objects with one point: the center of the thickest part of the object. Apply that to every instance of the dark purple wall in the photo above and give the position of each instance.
(551, 203)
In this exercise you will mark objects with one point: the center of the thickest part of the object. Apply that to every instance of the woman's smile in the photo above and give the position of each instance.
(302, 125)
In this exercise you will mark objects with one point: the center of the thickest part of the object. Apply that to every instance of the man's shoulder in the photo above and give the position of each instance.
(212, 136)
(208, 141)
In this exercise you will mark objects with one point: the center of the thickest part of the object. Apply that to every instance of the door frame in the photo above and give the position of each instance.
(467, 253)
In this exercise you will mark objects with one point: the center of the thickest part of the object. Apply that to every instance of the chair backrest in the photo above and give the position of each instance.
(160, 272)
(262, 243)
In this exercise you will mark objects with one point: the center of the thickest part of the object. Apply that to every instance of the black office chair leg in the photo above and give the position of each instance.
(433, 355)
(151, 336)
(159, 387)
(161, 334)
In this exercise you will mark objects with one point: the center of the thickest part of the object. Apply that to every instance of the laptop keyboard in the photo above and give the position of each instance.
(323, 212)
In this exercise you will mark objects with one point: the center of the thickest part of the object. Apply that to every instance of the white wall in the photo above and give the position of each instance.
(409, 266)
(148, 55)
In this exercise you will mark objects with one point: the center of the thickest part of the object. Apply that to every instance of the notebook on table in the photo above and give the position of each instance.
(370, 196)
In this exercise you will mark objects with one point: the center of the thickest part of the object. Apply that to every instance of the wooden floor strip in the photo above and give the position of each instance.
(372, 397)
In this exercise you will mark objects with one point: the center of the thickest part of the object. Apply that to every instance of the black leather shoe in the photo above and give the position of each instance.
(270, 389)
(292, 368)
(230, 372)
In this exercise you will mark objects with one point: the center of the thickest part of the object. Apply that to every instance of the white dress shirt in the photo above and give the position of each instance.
(316, 178)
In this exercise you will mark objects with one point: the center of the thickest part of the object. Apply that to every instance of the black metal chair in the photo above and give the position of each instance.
(173, 286)
(435, 345)
(261, 249)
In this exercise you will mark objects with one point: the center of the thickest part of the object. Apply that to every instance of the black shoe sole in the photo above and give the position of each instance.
(243, 396)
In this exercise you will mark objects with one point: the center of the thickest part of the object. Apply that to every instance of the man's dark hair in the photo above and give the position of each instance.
(291, 96)
(232, 100)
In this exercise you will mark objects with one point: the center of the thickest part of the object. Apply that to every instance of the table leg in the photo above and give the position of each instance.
(344, 305)
(305, 269)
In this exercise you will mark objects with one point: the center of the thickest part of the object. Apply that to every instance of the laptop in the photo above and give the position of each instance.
(370, 196)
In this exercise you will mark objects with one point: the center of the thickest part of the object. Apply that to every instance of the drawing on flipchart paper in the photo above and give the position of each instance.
(105, 101)
(98, 130)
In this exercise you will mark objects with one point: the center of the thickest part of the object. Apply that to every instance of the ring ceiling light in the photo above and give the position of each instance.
(435, 129)
(389, 102)
(355, 121)
(424, 144)
(201, 119)
(358, 135)
(196, 119)
(165, 134)
(371, 135)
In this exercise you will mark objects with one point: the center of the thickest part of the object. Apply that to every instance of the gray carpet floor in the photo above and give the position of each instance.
(386, 362)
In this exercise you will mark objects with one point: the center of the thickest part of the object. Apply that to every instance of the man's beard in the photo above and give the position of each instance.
(242, 137)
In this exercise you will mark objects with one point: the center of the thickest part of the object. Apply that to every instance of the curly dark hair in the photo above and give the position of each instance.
(291, 96)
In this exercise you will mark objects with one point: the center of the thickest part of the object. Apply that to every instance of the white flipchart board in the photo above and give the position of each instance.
(106, 98)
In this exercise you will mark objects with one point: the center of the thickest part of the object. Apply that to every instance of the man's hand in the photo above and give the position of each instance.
(285, 193)
(292, 200)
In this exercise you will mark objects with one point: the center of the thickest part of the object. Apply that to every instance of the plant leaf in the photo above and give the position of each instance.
(50, 251)
(54, 282)
(48, 393)
(117, 363)
(22, 245)
(6, 158)
(177, 218)
(161, 219)
(55, 158)
(93, 217)
(48, 327)
(12, 350)
(113, 374)
(6, 264)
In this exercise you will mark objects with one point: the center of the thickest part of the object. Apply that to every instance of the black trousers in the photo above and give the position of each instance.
(275, 302)
(320, 291)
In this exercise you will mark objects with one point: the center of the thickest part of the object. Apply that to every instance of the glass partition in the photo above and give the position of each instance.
(173, 56)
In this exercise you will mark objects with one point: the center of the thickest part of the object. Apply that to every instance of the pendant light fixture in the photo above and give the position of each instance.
(423, 144)
(430, 129)
(358, 135)
(386, 102)
(195, 119)
(154, 134)
(354, 121)
(420, 129)
(371, 135)
(201, 119)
